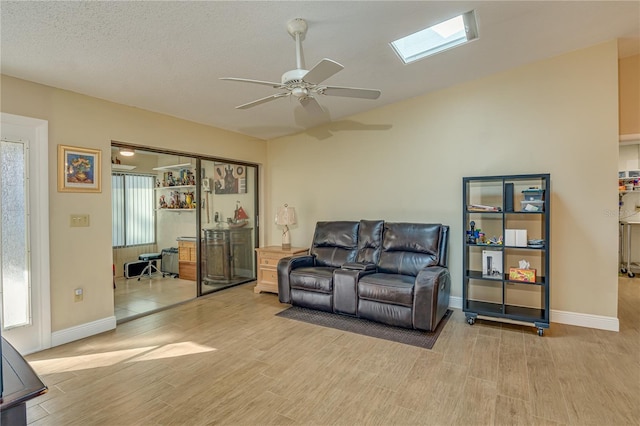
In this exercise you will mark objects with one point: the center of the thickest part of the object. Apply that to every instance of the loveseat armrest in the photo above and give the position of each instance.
(345, 289)
(285, 266)
(431, 297)
(358, 266)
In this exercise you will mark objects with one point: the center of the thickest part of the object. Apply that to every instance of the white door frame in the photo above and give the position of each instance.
(39, 224)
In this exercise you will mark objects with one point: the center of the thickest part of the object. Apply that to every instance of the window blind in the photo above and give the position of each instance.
(133, 210)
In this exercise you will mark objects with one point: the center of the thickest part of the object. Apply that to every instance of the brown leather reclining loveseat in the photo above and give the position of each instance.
(393, 273)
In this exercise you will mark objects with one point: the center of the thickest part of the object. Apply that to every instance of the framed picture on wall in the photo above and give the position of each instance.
(78, 169)
(229, 178)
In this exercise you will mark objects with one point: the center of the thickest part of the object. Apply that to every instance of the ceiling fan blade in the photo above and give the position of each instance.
(262, 100)
(312, 106)
(246, 80)
(322, 71)
(351, 92)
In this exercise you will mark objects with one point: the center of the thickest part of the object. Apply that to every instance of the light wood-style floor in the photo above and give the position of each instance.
(133, 297)
(227, 359)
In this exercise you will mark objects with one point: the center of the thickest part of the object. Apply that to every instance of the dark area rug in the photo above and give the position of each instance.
(407, 336)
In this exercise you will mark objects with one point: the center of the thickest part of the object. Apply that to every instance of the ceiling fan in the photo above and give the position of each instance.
(304, 84)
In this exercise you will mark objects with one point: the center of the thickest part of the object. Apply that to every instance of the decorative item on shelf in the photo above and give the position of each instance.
(175, 200)
(491, 264)
(286, 216)
(537, 243)
(483, 208)
(515, 237)
(523, 273)
(471, 233)
(189, 203)
(240, 217)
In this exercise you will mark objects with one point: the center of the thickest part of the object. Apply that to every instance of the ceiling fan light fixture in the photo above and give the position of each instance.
(304, 84)
(127, 152)
(300, 92)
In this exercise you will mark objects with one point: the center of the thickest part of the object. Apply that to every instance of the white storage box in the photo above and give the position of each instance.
(532, 206)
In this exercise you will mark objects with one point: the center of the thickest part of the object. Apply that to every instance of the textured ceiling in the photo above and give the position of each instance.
(168, 57)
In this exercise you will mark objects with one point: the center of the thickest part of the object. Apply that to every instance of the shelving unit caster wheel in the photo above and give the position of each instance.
(540, 332)
(623, 270)
(471, 320)
(631, 274)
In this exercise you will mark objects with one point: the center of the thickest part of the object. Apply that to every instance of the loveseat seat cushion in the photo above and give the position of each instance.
(409, 247)
(395, 289)
(317, 278)
(335, 243)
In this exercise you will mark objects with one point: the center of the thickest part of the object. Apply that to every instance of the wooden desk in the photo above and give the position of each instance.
(268, 258)
(19, 384)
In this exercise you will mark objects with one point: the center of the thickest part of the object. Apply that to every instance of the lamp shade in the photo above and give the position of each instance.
(286, 216)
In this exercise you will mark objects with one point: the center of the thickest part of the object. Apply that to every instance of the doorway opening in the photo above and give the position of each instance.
(184, 225)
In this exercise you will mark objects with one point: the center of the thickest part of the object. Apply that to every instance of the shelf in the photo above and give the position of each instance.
(485, 211)
(503, 192)
(517, 313)
(176, 210)
(506, 213)
(175, 167)
(502, 247)
(121, 167)
(477, 275)
(174, 187)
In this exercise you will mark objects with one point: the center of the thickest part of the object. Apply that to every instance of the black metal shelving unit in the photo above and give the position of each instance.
(491, 293)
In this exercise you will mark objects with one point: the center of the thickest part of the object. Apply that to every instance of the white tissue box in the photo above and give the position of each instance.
(515, 237)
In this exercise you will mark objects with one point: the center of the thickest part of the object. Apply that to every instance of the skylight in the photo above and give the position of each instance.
(445, 35)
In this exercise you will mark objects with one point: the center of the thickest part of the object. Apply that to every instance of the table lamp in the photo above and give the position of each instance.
(286, 216)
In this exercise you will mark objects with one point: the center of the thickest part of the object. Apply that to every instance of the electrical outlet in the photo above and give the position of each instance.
(78, 295)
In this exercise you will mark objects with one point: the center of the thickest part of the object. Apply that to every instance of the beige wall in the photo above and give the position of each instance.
(557, 116)
(629, 74)
(82, 257)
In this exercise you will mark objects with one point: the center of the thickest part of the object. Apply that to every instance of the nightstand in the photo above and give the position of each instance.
(268, 258)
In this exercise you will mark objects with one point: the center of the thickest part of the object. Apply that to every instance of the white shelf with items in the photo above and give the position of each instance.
(178, 201)
(159, 188)
(174, 167)
(115, 166)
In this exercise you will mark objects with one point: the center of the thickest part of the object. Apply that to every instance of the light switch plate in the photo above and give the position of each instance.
(79, 220)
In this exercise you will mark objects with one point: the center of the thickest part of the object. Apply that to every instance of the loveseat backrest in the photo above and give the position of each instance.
(369, 241)
(409, 247)
(335, 243)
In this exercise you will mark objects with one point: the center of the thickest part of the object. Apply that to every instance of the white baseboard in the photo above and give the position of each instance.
(83, 330)
(563, 317)
(585, 320)
(455, 302)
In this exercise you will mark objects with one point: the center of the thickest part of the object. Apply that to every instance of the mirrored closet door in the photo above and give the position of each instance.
(183, 226)
(228, 219)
